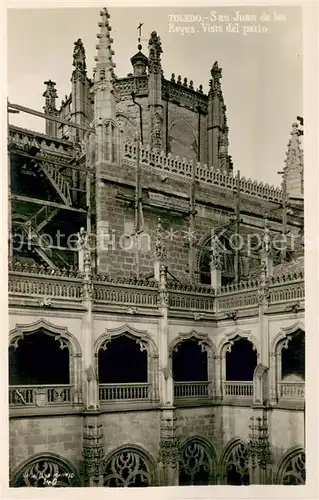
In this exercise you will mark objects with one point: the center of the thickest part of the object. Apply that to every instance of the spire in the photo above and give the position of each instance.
(294, 155)
(50, 95)
(79, 62)
(215, 85)
(104, 68)
(293, 169)
(155, 51)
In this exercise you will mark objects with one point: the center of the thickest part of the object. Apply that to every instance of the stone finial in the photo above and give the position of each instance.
(179, 80)
(191, 85)
(173, 78)
(50, 95)
(79, 56)
(155, 51)
(294, 154)
(185, 82)
(104, 68)
(200, 89)
(215, 85)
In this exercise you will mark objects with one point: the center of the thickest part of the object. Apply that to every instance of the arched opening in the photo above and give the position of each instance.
(127, 468)
(190, 369)
(290, 356)
(39, 359)
(123, 370)
(241, 361)
(182, 142)
(189, 362)
(122, 362)
(43, 471)
(239, 365)
(236, 471)
(195, 465)
(293, 358)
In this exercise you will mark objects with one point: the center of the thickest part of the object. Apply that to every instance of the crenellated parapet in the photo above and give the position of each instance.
(181, 168)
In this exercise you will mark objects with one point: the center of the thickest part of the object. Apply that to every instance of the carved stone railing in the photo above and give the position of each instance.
(184, 94)
(26, 139)
(129, 295)
(124, 392)
(294, 391)
(191, 389)
(183, 169)
(125, 86)
(233, 301)
(45, 395)
(237, 389)
(46, 286)
(287, 288)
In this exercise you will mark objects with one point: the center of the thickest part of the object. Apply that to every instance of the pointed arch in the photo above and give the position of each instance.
(291, 468)
(142, 337)
(229, 338)
(183, 150)
(60, 333)
(234, 458)
(203, 340)
(128, 464)
(58, 469)
(285, 333)
(198, 456)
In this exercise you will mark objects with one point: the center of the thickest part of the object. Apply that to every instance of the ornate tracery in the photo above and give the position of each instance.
(292, 470)
(128, 467)
(236, 464)
(196, 464)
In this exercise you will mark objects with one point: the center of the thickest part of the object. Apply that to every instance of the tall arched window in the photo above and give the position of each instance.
(128, 468)
(182, 141)
(196, 465)
(235, 466)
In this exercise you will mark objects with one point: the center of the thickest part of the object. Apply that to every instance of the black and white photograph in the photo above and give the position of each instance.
(156, 246)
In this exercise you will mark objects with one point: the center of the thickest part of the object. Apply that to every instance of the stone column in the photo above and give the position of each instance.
(93, 450)
(168, 452)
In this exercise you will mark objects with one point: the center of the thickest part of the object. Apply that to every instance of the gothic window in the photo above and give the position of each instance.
(45, 471)
(293, 469)
(127, 468)
(236, 466)
(227, 244)
(293, 357)
(190, 361)
(241, 361)
(39, 359)
(182, 142)
(195, 467)
(123, 360)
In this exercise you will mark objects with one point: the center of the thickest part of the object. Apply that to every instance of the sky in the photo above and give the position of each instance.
(262, 71)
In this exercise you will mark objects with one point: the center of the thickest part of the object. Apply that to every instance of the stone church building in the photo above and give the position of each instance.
(156, 296)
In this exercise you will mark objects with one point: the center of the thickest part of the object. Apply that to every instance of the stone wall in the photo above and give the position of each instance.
(61, 435)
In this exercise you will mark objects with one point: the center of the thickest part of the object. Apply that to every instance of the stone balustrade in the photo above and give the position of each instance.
(124, 392)
(67, 285)
(238, 389)
(294, 391)
(176, 166)
(191, 389)
(45, 395)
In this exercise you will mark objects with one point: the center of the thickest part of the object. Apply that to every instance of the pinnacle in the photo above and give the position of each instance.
(104, 57)
(294, 154)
